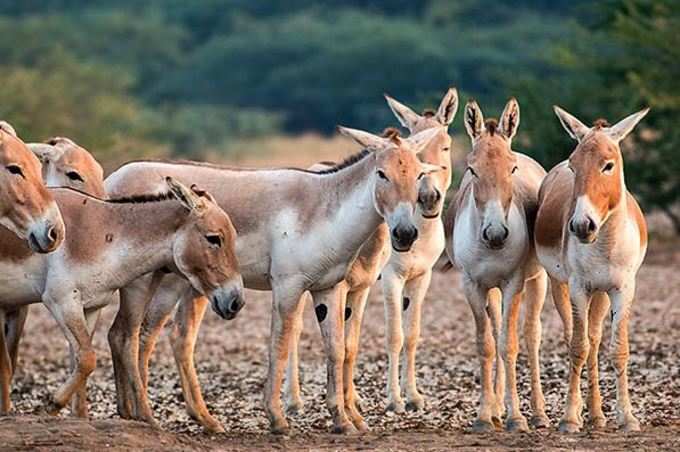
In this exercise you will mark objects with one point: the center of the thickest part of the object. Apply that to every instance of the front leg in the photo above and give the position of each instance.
(291, 387)
(393, 286)
(486, 351)
(354, 314)
(5, 368)
(599, 307)
(329, 306)
(534, 297)
(622, 300)
(509, 344)
(79, 401)
(414, 296)
(580, 302)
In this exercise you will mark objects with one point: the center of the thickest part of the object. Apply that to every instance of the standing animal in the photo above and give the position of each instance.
(591, 237)
(26, 206)
(112, 244)
(490, 227)
(298, 231)
(405, 275)
(64, 164)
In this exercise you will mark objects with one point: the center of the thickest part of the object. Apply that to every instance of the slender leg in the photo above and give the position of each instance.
(534, 294)
(494, 300)
(79, 401)
(124, 343)
(285, 304)
(599, 307)
(621, 300)
(415, 291)
(16, 320)
(580, 301)
(512, 301)
(354, 314)
(291, 387)
(486, 350)
(393, 286)
(560, 295)
(70, 317)
(5, 369)
(184, 334)
(331, 302)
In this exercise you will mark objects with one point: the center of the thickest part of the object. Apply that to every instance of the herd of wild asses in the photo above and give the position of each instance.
(175, 236)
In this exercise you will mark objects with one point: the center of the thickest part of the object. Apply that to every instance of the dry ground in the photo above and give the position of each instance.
(231, 357)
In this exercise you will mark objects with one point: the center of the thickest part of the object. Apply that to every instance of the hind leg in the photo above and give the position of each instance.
(534, 295)
(5, 368)
(291, 387)
(560, 295)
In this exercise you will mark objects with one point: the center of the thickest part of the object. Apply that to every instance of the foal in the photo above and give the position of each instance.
(114, 243)
(591, 237)
(26, 207)
(298, 231)
(490, 224)
(64, 164)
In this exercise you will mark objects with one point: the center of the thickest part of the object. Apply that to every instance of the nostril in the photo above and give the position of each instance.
(506, 232)
(437, 195)
(572, 228)
(52, 234)
(485, 234)
(591, 225)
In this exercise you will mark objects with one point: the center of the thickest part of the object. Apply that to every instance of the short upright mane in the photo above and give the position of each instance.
(600, 123)
(142, 198)
(349, 161)
(491, 126)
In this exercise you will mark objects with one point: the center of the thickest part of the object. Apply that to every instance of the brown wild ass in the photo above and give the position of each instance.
(490, 223)
(118, 241)
(408, 272)
(298, 231)
(591, 237)
(26, 207)
(64, 164)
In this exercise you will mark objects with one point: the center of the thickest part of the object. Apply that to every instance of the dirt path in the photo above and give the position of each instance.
(231, 357)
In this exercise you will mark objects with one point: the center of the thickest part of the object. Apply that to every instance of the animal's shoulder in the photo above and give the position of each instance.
(553, 205)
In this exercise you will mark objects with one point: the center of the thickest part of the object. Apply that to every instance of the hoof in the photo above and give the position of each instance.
(598, 423)
(279, 427)
(361, 426)
(415, 404)
(517, 424)
(480, 426)
(631, 425)
(346, 428)
(569, 427)
(396, 406)
(295, 407)
(212, 425)
(540, 421)
(497, 421)
(53, 408)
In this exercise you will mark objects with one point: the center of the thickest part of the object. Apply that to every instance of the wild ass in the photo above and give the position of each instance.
(490, 223)
(116, 242)
(298, 231)
(406, 273)
(64, 164)
(591, 237)
(26, 207)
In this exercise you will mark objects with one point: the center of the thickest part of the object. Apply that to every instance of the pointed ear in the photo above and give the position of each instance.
(203, 193)
(621, 129)
(46, 152)
(429, 168)
(407, 117)
(7, 128)
(510, 118)
(448, 107)
(474, 119)
(365, 139)
(575, 128)
(187, 197)
(420, 140)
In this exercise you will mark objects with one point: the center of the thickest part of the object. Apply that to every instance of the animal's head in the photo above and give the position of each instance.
(65, 164)
(432, 188)
(204, 250)
(492, 166)
(598, 171)
(395, 181)
(26, 206)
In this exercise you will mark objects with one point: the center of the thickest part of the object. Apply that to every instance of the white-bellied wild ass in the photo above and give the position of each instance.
(64, 164)
(406, 273)
(298, 231)
(26, 207)
(489, 223)
(116, 242)
(591, 237)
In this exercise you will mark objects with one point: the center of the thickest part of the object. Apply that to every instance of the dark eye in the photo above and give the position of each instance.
(74, 176)
(472, 171)
(15, 169)
(214, 239)
(421, 175)
(381, 174)
(608, 167)
(446, 149)
(514, 169)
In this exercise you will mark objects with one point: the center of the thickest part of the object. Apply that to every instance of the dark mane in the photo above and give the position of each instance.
(491, 126)
(349, 161)
(142, 198)
(600, 123)
(429, 113)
